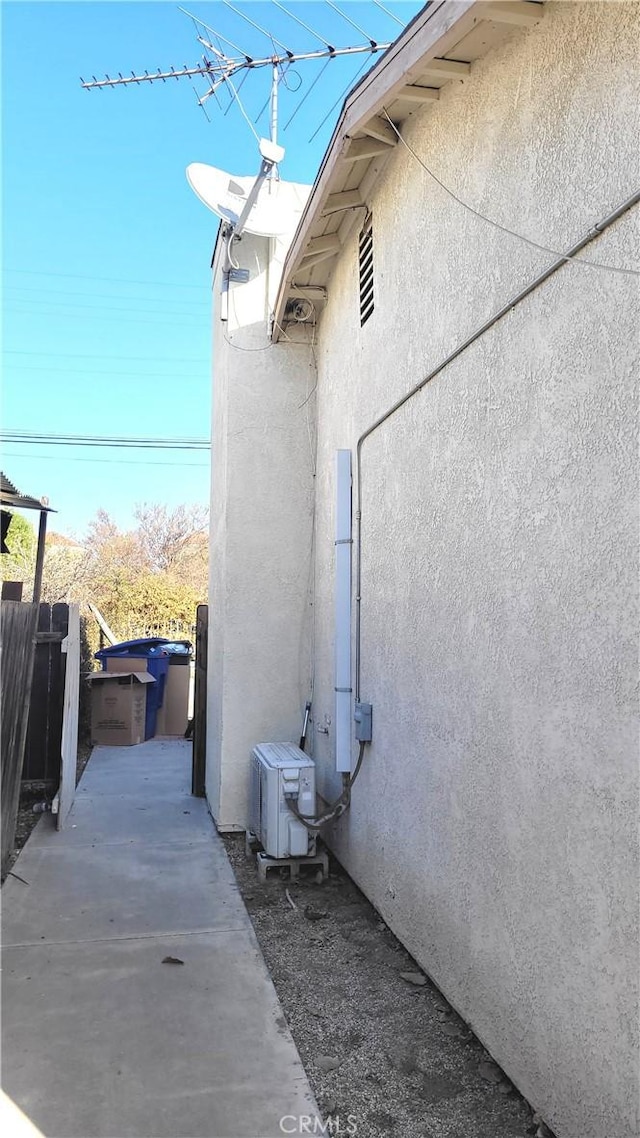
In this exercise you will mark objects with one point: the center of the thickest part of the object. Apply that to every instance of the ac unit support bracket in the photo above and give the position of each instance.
(321, 860)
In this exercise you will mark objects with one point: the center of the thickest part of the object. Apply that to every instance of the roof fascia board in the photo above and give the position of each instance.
(406, 60)
(402, 62)
(24, 502)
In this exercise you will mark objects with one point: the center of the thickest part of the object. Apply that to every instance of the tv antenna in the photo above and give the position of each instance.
(238, 201)
(220, 69)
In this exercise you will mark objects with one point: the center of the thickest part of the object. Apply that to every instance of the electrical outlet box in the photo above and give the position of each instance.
(363, 716)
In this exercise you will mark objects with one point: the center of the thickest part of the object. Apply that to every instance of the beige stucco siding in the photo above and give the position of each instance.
(261, 528)
(494, 823)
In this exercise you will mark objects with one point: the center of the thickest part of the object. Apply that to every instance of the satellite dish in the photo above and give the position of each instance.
(271, 215)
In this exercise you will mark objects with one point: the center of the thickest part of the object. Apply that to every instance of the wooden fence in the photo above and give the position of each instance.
(200, 703)
(40, 688)
(18, 628)
(70, 649)
(42, 753)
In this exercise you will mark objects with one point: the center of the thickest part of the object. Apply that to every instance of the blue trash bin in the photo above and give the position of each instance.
(156, 657)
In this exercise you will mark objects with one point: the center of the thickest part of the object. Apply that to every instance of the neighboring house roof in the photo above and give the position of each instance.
(11, 496)
(438, 46)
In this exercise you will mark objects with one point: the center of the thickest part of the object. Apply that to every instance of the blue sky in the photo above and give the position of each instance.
(106, 279)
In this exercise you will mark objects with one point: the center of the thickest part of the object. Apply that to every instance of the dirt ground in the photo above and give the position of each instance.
(379, 1046)
(386, 1055)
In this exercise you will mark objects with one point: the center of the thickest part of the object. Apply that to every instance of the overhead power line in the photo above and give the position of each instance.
(99, 356)
(105, 296)
(110, 374)
(108, 461)
(110, 280)
(34, 438)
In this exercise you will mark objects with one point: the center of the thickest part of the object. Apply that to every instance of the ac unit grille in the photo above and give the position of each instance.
(256, 796)
(366, 270)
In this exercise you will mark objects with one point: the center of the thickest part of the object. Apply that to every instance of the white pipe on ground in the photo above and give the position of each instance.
(343, 611)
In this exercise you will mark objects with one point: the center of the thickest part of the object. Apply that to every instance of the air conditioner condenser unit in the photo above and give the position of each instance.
(282, 773)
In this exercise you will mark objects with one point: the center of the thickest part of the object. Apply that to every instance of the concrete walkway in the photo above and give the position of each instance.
(101, 1039)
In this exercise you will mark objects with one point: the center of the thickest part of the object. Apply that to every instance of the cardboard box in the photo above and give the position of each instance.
(127, 664)
(118, 707)
(173, 716)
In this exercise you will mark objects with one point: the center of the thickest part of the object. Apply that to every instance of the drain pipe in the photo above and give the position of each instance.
(597, 229)
(343, 545)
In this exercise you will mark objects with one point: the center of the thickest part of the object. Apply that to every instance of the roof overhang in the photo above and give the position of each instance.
(14, 500)
(437, 47)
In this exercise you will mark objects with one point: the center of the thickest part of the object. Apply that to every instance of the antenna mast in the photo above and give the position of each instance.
(219, 68)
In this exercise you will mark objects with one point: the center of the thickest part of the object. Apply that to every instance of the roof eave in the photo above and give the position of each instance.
(424, 39)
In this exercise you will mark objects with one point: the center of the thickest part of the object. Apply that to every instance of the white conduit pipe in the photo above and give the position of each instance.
(343, 544)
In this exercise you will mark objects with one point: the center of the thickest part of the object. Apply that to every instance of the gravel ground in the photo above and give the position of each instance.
(381, 1047)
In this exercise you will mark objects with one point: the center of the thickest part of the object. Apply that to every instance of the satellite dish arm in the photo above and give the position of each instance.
(271, 155)
(265, 169)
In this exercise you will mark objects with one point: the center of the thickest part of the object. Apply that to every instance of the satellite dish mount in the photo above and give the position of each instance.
(217, 190)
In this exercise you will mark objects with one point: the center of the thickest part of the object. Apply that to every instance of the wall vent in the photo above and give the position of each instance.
(366, 270)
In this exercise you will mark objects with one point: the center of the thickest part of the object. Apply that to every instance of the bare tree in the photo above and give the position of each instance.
(167, 537)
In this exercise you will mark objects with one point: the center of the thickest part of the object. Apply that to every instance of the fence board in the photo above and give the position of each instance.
(34, 767)
(42, 753)
(71, 703)
(17, 627)
(200, 703)
(59, 624)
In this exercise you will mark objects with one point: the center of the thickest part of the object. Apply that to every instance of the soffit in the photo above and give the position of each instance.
(438, 47)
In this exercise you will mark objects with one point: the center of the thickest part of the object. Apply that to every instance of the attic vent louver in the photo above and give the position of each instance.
(366, 270)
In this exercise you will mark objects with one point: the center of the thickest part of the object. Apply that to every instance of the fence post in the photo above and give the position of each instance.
(18, 629)
(71, 705)
(200, 703)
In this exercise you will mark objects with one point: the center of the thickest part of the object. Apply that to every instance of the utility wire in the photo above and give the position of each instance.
(503, 228)
(100, 356)
(67, 314)
(42, 435)
(104, 296)
(24, 300)
(111, 280)
(17, 440)
(109, 461)
(111, 374)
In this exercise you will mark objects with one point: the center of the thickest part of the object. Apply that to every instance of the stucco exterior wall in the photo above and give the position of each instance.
(494, 822)
(261, 510)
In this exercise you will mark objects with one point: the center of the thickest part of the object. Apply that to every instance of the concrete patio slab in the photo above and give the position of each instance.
(120, 890)
(101, 1039)
(127, 818)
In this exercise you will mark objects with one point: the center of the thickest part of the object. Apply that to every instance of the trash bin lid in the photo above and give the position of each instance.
(178, 647)
(148, 646)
